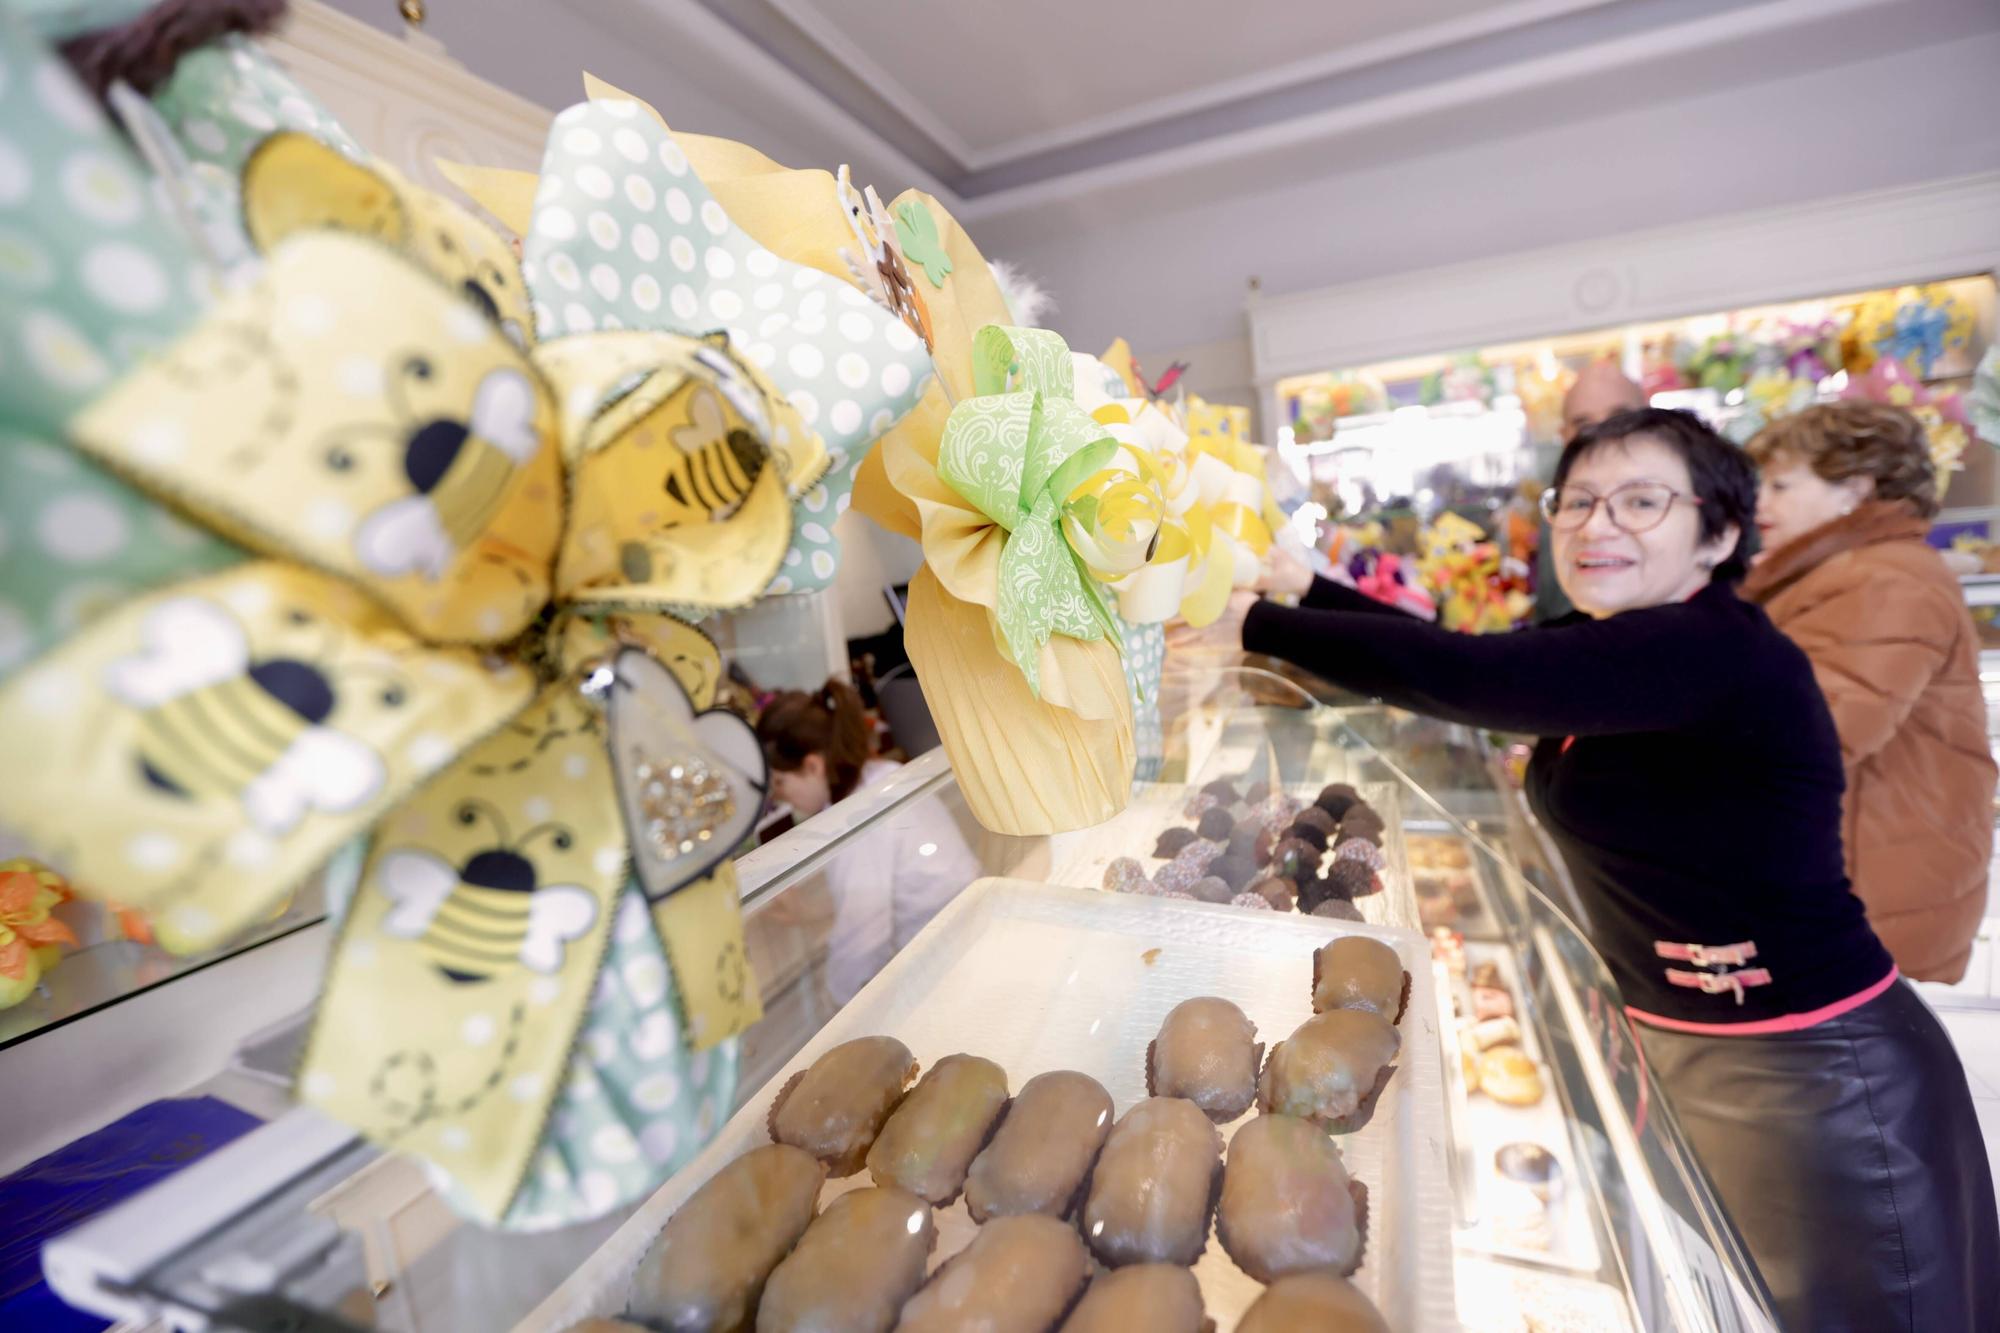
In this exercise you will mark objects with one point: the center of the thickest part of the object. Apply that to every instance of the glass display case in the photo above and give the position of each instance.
(1573, 1200)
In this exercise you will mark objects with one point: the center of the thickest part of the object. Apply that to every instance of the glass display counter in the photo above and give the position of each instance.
(1574, 1202)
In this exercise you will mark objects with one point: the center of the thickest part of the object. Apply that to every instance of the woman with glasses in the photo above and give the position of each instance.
(1846, 502)
(1691, 775)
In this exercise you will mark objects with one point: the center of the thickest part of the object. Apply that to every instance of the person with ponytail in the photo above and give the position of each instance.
(887, 883)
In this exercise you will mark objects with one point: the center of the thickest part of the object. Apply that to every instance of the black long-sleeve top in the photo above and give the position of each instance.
(1688, 771)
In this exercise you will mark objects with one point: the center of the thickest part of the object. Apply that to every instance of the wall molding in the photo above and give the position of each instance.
(1941, 229)
(405, 99)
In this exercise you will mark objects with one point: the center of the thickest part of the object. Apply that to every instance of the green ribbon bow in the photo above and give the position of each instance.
(1017, 450)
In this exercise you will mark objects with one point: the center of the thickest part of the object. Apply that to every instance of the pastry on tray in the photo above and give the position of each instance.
(1337, 798)
(855, 1266)
(1530, 1165)
(1506, 1074)
(835, 1109)
(1332, 1070)
(1215, 825)
(1171, 841)
(1143, 1298)
(939, 1128)
(1357, 972)
(1207, 1052)
(1288, 1204)
(707, 1267)
(1319, 1302)
(1041, 1155)
(1155, 1185)
(1019, 1275)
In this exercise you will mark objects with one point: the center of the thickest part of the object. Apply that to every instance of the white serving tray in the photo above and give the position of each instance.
(1038, 978)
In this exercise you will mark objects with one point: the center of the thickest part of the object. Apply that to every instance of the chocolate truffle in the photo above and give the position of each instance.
(1362, 821)
(1337, 909)
(1253, 901)
(1279, 893)
(1124, 875)
(1243, 842)
(1337, 798)
(1317, 818)
(1236, 871)
(1216, 825)
(1223, 790)
(1198, 805)
(1350, 880)
(1362, 850)
(1256, 793)
(1307, 833)
(1293, 859)
(1209, 889)
(1171, 841)
(1268, 836)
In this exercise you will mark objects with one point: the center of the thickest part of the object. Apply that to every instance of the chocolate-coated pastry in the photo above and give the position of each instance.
(1199, 855)
(1293, 859)
(1320, 1302)
(1308, 833)
(1314, 817)
(1143, 1298)
(1018, 1275)
(1351, 880)
(835, 1109)
(1313, 890)
(1254, 902)
(1211, 889)
(1216, 825)
(1288, 1205)
(1207, 1052)
(1124, 875)
(1337, 909)
(1243, 842)
(1337, 798)
(1532, 1165)
(707, 1267)
(1280, 893)
(1363, 849)
(1356, 972)
(1222, 789)
(1331, 1069)
(1362, 822)
(1257, 792)
(1268, 837)
(1042, 1152)
(1154, 1186)
(855, 1266)
(1236, 871)
(1171, 840)
(939, 1128)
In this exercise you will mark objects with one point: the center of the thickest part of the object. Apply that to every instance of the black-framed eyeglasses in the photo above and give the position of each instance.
(1635, 507)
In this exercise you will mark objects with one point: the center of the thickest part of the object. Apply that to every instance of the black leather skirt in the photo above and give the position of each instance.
(1849, 1158)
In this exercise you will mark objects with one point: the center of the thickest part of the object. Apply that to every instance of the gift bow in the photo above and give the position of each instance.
(1022, 452)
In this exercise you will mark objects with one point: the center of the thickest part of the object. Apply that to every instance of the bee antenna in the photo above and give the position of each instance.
(467, 807)
(563, 836)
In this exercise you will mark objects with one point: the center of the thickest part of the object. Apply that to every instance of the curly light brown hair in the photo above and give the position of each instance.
(1852, 438)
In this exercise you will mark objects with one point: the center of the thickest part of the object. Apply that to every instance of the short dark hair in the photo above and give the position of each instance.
(1722, 474)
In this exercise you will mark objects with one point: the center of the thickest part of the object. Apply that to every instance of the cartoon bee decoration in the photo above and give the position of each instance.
(712, 466)
(460, 469)
(475, 921)
(217, 722)
(292, 182)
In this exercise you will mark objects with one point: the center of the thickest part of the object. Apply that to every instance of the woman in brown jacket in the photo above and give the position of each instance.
(1847, 495)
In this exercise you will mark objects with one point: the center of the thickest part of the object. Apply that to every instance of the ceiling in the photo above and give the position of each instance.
(989, 87)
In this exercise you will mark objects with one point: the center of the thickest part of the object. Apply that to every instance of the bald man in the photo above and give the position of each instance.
(1601, 392)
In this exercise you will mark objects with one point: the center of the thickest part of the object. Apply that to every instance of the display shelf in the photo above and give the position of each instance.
(328, 1233)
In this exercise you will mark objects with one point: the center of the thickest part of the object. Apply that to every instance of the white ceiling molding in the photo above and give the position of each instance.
(1294, 137)
(1914, 234)
(825, 33)
(700, 35)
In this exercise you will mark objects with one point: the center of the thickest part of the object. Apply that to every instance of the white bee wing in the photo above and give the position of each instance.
(186, 644)
(405, 537)
(557, 914)
(322, 770)
(418, 883)
(503, 412)
(704, 425)
(742, 395)
(731, 740)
